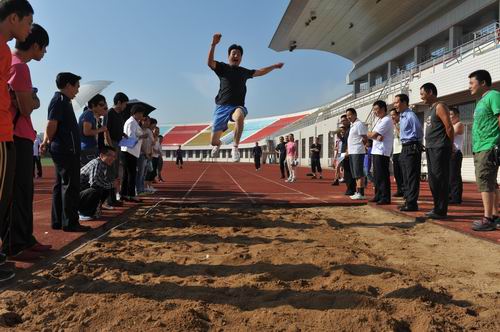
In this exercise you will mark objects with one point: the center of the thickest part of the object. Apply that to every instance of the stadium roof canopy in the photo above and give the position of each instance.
(353, 29)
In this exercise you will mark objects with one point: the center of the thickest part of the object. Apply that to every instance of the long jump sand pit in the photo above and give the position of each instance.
(265, 269)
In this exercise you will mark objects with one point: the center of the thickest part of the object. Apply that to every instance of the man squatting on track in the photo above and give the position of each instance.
(231, 97)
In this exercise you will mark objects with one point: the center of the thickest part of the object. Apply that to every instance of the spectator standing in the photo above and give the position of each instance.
(383, 141)
(356, 152)
(337, 156)
(144, 157)
(456, 184)
(179, 157)
(131, 153)
(316, 159)
(438, 141)
(281, 150)
(257, 155)
(113, 120)
(396, 155)
(62, 136)
(349, 180)
(291, 157)
(89, 131)
(19, 236)
(485, 138)
(37, 164)
(411, 154)
(160, 160)
(16, 18)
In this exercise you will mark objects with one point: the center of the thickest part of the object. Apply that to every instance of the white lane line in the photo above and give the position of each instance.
(243, 190)
(194, 184)
(42, 200)
(282, 185)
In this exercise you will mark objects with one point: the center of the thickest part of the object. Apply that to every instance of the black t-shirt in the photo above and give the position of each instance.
(316, 154)
(114, 122)
(233, 87)
(344, 141)
(67, 137)
(257, 151)
(178, 153)
(281, 147)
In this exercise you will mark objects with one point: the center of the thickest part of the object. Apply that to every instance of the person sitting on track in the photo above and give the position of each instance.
(231, 97)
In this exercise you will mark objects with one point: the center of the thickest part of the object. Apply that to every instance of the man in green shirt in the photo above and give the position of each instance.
(485, 136)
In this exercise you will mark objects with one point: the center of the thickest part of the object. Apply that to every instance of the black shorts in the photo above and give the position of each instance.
(356, 162)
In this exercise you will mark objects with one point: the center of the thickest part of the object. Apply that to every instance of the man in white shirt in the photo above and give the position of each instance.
(356, 151)
(383, 140)
(130, 154)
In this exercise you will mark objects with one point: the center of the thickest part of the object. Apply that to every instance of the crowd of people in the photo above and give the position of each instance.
(361, 156)
(101, 159)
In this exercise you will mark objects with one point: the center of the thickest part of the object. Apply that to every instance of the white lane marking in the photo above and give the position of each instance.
(282, 185)
(243, 190)
(194, 184)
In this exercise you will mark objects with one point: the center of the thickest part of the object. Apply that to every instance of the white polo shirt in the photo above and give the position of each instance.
(355, 140)
(132, 129)
(384, 127)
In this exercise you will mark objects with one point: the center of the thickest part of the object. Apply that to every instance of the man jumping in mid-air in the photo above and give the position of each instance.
(231, 97)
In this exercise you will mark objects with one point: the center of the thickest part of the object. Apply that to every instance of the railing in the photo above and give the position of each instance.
(400, 81)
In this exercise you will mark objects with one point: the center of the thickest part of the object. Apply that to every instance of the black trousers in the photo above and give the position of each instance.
(20, 233)
(316, 165)
(382, 178)
(37, 164)
(7, 171)
(456, 184)
(438, 165)
(256, 161)
(348, 178)
(398, 172)
(179, 161)
(129, 175)
(66, 191)
(90, 199)
(410, 161)
(284, 167)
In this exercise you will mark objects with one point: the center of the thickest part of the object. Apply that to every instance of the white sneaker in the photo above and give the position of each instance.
(293, 180)
(235, 153)
(215, 151)
(357, 197)
(81, 217)
(288, 180)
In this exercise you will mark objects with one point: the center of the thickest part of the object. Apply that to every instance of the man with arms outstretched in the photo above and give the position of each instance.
(231, 97)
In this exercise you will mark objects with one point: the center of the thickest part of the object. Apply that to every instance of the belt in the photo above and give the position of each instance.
(410, 143)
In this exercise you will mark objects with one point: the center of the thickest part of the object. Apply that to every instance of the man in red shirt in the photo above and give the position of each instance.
(16, 18)
(18, 237)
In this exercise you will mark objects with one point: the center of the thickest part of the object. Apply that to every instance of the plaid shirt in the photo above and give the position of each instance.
(93, 174)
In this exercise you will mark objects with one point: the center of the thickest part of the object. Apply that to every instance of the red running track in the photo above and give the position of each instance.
(240, 184)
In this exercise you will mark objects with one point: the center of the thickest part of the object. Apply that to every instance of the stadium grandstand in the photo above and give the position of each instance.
(195, 139)
(395, 47)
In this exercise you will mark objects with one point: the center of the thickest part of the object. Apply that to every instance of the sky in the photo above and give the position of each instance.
(156, 51)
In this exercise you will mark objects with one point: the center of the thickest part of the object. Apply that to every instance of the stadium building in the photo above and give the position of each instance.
(395, 47)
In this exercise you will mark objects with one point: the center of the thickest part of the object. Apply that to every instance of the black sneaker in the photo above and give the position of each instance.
(484, 224)
(6, 275)
(434, 215)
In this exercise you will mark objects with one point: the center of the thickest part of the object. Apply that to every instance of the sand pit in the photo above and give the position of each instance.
(268, 269)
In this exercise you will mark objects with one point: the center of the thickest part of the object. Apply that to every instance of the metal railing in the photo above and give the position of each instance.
(399, 82)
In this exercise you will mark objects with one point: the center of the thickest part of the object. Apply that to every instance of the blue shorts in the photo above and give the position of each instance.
(223, 114)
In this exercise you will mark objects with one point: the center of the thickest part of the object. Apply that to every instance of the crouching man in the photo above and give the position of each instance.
(95, 186)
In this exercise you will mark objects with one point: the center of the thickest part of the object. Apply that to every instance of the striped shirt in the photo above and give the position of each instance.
(93, 175)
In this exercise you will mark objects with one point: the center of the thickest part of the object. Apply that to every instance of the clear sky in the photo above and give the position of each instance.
(156, 50)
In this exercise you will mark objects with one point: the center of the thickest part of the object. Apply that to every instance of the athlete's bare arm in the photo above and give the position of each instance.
(267, 70)
(215, 40)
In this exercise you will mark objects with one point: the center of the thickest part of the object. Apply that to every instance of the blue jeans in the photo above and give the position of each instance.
(141, 173)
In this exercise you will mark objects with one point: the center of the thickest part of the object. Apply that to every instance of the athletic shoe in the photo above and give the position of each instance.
(6, 275)
(235, 153)
(293, 180)
(215, 151)
(335, 183)
(107, 207)
(321, 177)
(408, 208)
(81, 217)
(484, 224)
(434, 215)
(357, 197)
